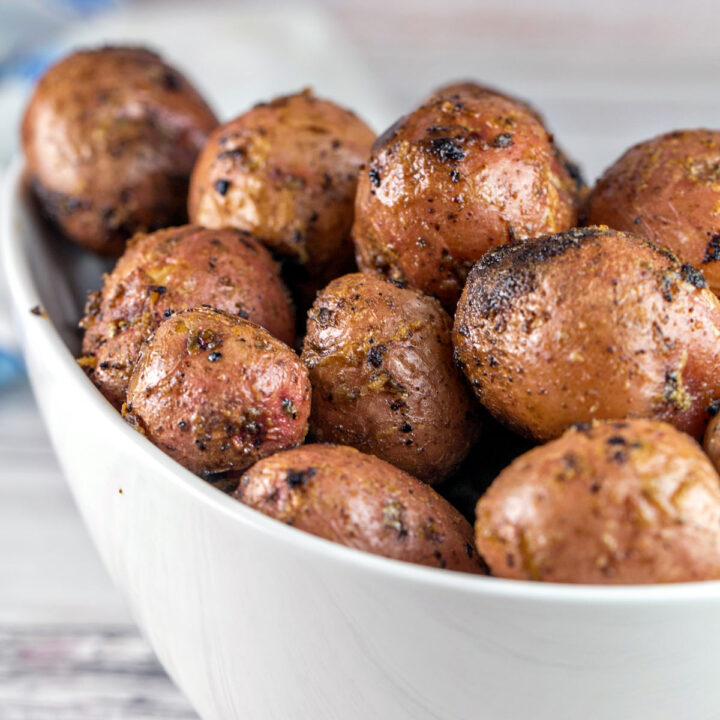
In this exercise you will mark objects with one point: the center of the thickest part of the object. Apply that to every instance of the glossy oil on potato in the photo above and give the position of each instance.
(589, 324)
(287, 172)
(616, 502)
(110, 138)
(171, 270)
(668, 190)
(217, 392)
(383, 376)
(468, 170)
(358, 500)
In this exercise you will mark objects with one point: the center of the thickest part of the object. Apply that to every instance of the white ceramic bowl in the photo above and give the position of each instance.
(254, 619)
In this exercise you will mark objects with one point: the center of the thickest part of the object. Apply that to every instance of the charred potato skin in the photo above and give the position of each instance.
(217, 393)
(468, 170)
(668, 190)
(629, 502)
(176, 269)
(110, 138)
(383, 376)
(357, 500)
(287, 172)
(589, 324)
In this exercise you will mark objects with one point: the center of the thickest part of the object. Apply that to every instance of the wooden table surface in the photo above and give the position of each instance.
(606, 75)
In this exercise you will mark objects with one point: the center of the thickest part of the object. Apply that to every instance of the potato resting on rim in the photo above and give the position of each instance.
(358, 500)
(468, 170)
(110, 138)
(589, 324)
(171, 270)
(384, 381)
(217, 392)
(621, 502)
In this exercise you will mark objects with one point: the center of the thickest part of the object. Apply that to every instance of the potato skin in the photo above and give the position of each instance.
(287, 172)
(383, 376)
(358, 500)
(110, 138)
(589, 324)
(468, 170)
(171, 270)
(217, 393)
(613, 503)
(667, 190)
(711, 439)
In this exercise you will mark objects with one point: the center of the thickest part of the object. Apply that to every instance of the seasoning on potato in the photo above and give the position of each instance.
(110, 137)
(171, 270)
(287, 172)
(217, 392)
(468, 170)
(384, 381)
(613, 503)
(590, 323)
(668, 190)
(358, 500)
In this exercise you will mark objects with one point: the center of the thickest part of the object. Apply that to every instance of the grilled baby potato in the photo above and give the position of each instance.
(589, 324)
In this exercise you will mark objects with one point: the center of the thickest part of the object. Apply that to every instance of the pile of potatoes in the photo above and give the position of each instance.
(376, 339)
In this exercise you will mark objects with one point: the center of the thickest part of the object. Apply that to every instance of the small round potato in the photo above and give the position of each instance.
(613, 503)
(217, 393)
(110, 138)
(668, 190)
(287, 172)
(589, 324)
(358, 500)
(176, 269)
(383, 376)
(468, 170)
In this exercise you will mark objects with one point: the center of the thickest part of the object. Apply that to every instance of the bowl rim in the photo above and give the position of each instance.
(24, 296)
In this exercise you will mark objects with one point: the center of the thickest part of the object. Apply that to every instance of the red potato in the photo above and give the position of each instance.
(384, 381)
(613, 503)
(110, 137)
(353, 499)
(286, 171)
(468, 170)
(171, 270)
(589, 324)
(217, 393)
(668, 190)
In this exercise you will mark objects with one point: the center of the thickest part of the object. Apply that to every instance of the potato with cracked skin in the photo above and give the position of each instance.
(589, 324)
(171, 270)
(383, 376)
(468, 170)
(110, 138)
(287, 171)
(217, 392)
(358, 500)
(627, 502)
(668, 190)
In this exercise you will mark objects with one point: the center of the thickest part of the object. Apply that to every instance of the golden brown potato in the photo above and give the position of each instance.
(468, 170)
(383, 376)
(217, 393)
(171, 270)
(616, 502)
(287, 172)
(668, 190)
(110, 138)
(591, 323)
(343, 495)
